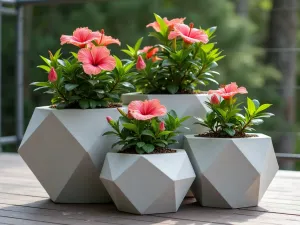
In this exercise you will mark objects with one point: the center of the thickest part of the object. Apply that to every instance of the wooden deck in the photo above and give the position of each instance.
(23, 201)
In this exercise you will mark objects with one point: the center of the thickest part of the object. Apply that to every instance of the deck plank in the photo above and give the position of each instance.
(23, 201)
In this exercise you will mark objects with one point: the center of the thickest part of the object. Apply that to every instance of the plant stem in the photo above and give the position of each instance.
(61, 94)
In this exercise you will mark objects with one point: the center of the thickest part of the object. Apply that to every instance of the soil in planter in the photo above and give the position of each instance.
(76, 106)
(216, 135)
(158, 150)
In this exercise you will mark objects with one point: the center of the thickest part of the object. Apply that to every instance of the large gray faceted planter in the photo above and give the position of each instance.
(231, 172)
(65, 150)
(146, 184)
(184, 105)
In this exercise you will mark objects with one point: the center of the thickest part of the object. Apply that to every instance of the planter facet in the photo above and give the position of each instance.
(65, 150)
(231, 172)
(183, 104)
(146, 184)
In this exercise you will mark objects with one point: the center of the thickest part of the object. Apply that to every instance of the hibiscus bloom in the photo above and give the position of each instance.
(81, 37)
(170, 23)
(150, 53)
(96, 59)
(188, 34)
(146, 110)
(229, 90)
(104, 40)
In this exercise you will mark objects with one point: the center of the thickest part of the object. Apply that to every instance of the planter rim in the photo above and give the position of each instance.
(54, 109)
(260, 135)
(146, 155)
(140, 94)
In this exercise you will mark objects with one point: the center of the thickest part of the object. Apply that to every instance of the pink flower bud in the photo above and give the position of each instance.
(109, 119)
(52, 76)
(140, 64)
(162, 126)
(214, 100)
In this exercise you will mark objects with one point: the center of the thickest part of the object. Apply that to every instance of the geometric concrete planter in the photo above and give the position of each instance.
(183, 104)
(231, 172)
(147, 184)
(65, 150)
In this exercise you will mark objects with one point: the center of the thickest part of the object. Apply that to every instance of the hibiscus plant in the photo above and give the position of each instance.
(90, 77)
(141, 129)
(225, 119)
(181, 61)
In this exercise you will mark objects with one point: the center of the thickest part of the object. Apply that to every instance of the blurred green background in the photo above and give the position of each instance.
(258, 38)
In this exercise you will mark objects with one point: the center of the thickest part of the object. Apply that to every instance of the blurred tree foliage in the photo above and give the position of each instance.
(241, 38)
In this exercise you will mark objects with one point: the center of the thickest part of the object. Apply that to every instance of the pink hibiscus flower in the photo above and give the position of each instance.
(104, 40)
(81, 36)
(229, 90)
(96, 59)
(170, 23)
(150, 53)
(146, 110)
(188, 34)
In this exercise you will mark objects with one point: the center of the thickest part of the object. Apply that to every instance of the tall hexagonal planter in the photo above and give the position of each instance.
(184, 105)
(65, 150)
(146, 184)
(231, 172)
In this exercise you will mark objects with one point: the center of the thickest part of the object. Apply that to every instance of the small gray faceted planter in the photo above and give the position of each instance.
(147, 184)
(65, 150)
(183, 104)
(231, 172)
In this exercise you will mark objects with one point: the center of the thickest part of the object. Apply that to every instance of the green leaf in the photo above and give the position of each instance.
(148, 148)
(140, 144)
(130, 126)
(41, 84)
(263, 107)
(93, 104)
(47, 61)
(139, 150)
(127, 84)
(264, 115)
(119, 64)
(168, 62)
(39, 88)
(44, 67)
(84, 103)
(99, 91)
(128, 52)
(93, 82)
(57, 54)
(75, 55)
(110, 133)
(251, 106)
(256, 103)
(70, 87)
(164, 133)
(172, 88)
(173, 113)
(184, 119)
(208, 47)
(230, 132)
(148, 133)
(257, 121)
(138, 44)
(61, 105)
(162, 24)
